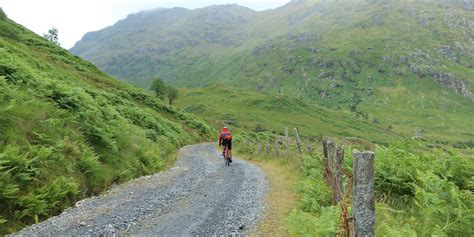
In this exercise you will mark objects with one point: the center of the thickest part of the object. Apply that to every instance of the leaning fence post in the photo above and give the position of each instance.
(363, 196)
(298, 142)
(287, 141)
(339, 173)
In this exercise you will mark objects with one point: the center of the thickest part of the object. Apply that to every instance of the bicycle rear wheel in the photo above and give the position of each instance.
(227, 161)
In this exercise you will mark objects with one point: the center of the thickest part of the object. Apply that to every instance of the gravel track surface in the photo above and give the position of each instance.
(198, 197)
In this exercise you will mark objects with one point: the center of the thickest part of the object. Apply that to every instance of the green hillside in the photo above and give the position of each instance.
(247, 111)
(68, 131)
(405, 64)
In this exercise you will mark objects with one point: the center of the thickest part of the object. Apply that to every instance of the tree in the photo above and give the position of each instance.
(52, 35)
(172, 94)
(158, 86)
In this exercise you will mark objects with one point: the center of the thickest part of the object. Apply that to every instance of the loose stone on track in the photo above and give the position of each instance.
(199, 196)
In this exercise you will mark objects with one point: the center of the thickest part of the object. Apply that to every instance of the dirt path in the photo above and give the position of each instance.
(199, 196)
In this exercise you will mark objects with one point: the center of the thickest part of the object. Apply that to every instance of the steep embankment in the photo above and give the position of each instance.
(68, 131)
(406, 65)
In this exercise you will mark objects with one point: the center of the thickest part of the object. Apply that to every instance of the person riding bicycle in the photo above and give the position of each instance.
(225, 140)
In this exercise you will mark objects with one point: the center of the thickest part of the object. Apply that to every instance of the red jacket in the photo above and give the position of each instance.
(224, 133)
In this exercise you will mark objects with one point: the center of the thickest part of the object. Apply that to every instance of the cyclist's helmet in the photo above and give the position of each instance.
(225, 129)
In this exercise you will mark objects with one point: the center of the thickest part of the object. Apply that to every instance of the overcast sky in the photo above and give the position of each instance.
(74, 18)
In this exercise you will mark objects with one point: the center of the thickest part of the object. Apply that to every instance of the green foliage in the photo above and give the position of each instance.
(172, 94)
(316, 215)
(68, 131)
(442, 207)
(452, 166)
(30, 190)
(52, 35)
(324, 224)
(424, 190)
(158, 86)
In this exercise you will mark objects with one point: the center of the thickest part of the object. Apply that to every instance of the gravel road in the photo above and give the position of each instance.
(198, 197)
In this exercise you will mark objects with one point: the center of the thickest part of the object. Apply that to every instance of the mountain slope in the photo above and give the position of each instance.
(147, 41)
(407, 64)
(362, 35)
(67, 130)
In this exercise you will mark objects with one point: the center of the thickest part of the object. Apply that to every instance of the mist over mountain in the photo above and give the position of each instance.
(263, 50)
(375, 58)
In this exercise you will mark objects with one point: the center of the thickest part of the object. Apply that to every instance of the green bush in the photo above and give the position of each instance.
(426, 191)
(441, 207)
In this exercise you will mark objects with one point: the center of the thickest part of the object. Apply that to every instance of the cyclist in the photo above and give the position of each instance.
(225, 140)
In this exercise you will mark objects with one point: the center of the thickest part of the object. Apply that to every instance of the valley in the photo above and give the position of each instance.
(392, 77)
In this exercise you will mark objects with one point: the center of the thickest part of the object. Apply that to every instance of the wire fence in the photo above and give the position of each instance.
(354, 190)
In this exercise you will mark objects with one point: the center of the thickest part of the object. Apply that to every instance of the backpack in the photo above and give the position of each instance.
(226, 136)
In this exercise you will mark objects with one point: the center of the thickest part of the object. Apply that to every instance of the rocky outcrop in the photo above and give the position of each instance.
(446, 79)
(421, 64)
(261, 49)
(447, 52)
(450, 80)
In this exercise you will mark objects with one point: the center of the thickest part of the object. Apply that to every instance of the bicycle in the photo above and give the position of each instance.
(227, 158)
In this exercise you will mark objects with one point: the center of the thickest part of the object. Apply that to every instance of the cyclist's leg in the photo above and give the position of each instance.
(227, 151)
(225, 145)
(229, 145)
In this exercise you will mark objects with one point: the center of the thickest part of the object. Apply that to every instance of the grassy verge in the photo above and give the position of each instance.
(282, 197)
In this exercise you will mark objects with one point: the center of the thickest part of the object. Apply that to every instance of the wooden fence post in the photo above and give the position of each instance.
(267, 147)
(260, 146)
(325, 149)
(363, 196)
(331, 153)
(287, 141)
(330, 168)
(298, 142)
(339, 173)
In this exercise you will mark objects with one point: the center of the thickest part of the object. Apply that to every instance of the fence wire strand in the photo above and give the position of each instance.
(345, 224)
